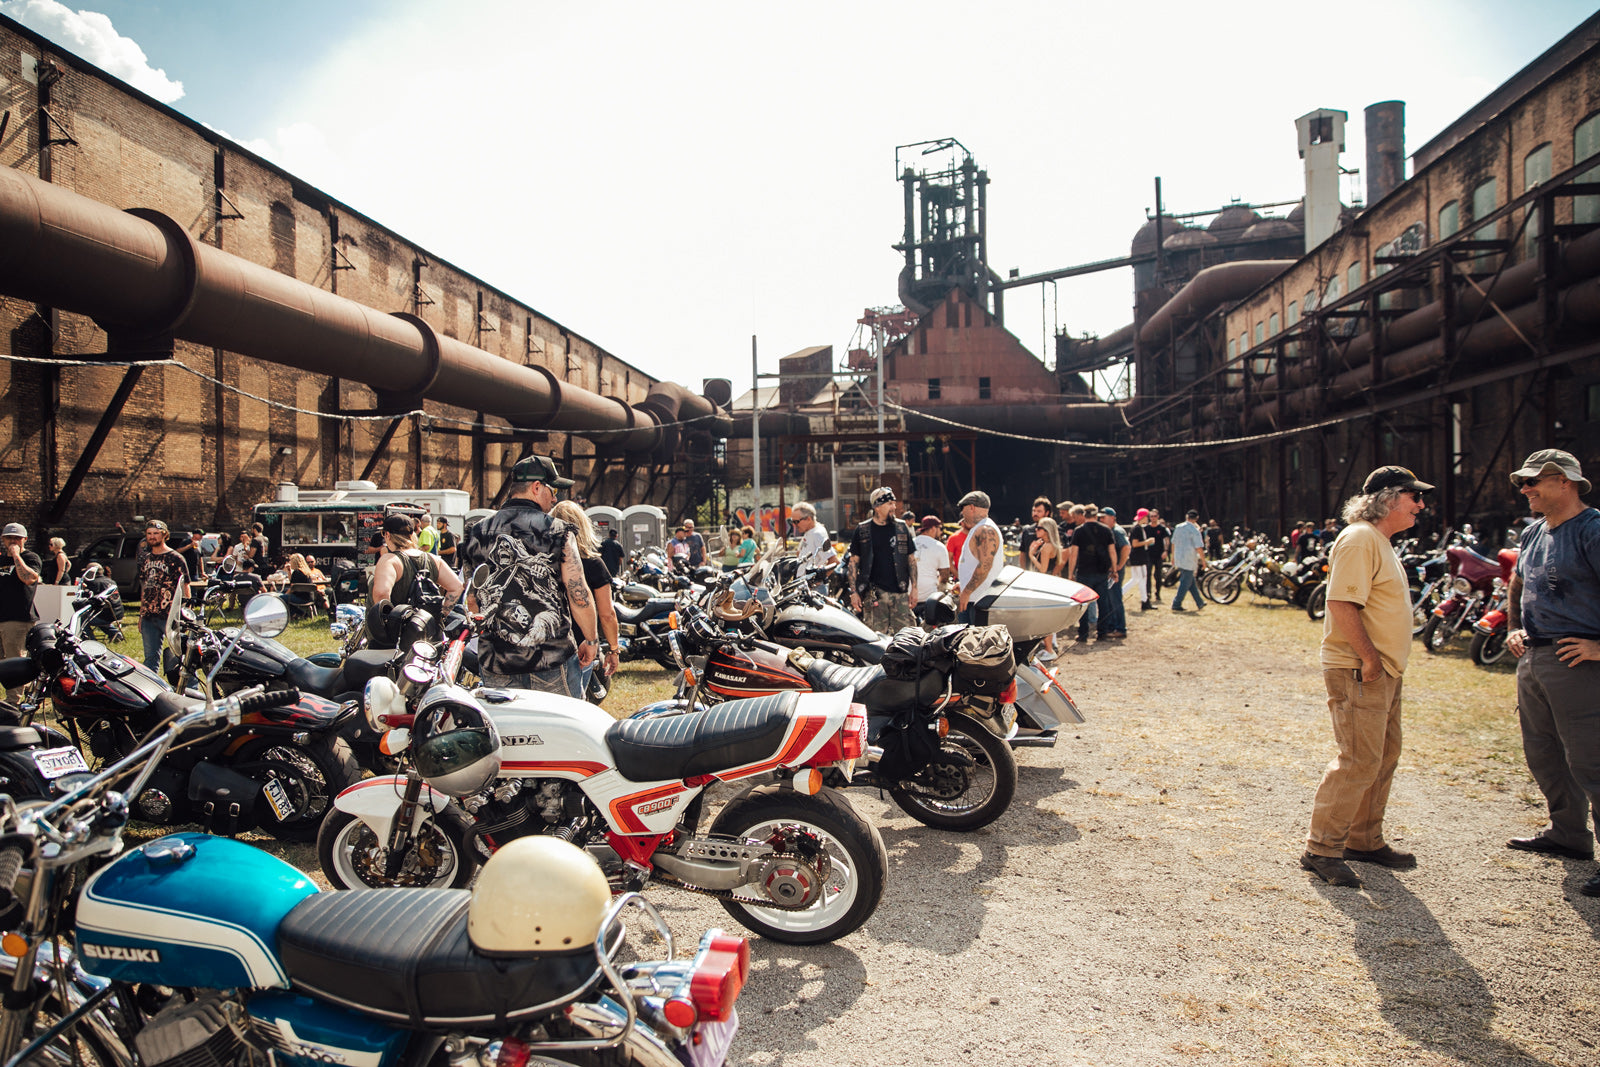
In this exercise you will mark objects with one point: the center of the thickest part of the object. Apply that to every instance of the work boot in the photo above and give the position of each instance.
(1329, 869)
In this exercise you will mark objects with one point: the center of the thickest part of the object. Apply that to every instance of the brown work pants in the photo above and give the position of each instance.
(1348, 812)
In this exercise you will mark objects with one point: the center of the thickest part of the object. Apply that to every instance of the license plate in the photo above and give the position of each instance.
(709, 1044)
(278, 799)
(54, 762)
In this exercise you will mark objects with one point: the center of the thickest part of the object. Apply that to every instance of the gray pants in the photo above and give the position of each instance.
(565, 680)
(1561, 740)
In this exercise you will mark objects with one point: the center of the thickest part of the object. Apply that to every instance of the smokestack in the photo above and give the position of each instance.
(1321, 134)
(1386, 148)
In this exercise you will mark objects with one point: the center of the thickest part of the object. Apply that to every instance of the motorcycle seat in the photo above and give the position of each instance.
(659, 607)
(349, 677)
(18, 671)
(403, 955)
(14, 737)
(733, 734)
(881, 694)
(828, 677)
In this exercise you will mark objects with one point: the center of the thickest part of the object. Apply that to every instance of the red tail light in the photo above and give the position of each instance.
(512, 1053)
(719, 974)
(680, 1012)
(849, 743)
(1009, 694)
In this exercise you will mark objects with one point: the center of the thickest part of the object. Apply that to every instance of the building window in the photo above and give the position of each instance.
(1244, 343)
(1449, 219)
(1332, 293)
(1483, 203)
(983, 389)
(933, 389)
(1272, 325)
(1233, 350)
(1294, 313)
(1309, 302)
(1586, 143)
(1261, 332)
(1535, 171)
(1352, 277)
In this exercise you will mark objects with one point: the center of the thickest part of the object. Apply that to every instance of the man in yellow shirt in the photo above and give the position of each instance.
(1366, 638)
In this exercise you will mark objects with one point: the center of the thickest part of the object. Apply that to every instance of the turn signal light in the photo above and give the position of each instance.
(808, 781)
(719, 973)
(672, 620)
(944, 727)
(13, 944)
(507, 1052)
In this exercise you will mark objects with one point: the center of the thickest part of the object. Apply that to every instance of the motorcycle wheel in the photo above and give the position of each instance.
(1225, 588)
(312, 776)
(1436, 634)
(1488, 648)
(948, 795)
(440, 858)
(1422, 608)
(1317, 602)
(859, 863)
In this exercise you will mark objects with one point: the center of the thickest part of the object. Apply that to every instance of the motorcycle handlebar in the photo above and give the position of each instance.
(275, 698)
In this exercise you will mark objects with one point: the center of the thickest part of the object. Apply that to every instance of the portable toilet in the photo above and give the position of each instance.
(643, 526)
(605, 519)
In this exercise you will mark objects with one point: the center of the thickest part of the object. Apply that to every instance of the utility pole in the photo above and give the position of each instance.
(755, 430)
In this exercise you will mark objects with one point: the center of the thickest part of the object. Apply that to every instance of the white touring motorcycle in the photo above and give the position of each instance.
(789, 859)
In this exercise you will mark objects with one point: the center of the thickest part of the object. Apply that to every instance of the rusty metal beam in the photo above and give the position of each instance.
(102, 430)
(378, 449)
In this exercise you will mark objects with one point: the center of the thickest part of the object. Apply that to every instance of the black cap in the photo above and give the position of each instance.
(539, 469)
(1394, 478)
(398, 523)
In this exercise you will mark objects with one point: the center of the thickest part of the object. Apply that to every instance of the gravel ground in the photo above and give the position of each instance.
(1141, 903)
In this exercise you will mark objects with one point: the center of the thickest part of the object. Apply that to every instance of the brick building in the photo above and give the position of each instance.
(202, 439)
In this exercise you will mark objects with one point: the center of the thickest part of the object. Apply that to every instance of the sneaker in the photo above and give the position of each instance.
(1329, 869)
(1146, 606)
(1591, 888)
(1179, 607)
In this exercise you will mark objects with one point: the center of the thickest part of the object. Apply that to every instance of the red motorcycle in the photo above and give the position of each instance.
(1489, 632)
(1473, 579)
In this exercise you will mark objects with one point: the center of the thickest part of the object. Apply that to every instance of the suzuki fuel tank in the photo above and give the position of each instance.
(189, 910)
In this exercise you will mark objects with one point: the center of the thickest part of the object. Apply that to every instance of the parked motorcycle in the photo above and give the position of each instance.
(36, 761)
(934, 744)
(1490, 630)
(279, 769)
(791, 860)
(1472, 582)
(105, 612)
(199, 950)
(1272, 577)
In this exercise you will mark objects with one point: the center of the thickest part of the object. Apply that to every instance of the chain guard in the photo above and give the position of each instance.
(787, 841)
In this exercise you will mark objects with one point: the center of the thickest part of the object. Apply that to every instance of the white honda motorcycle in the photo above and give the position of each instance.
(790, 859)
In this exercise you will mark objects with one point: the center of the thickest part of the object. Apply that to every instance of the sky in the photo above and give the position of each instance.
(669, 180)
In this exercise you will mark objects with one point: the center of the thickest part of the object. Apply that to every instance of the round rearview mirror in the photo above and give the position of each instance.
(266, 615)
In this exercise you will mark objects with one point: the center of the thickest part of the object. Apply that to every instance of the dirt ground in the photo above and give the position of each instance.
(1141, 902)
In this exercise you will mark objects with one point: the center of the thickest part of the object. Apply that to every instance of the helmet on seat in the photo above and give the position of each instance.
(454, 745)
(537, 894)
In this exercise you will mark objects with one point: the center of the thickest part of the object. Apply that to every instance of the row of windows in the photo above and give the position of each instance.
(935, 390)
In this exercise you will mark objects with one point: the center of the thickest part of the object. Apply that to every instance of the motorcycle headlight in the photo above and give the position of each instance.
(381, 697)
(1462, 586)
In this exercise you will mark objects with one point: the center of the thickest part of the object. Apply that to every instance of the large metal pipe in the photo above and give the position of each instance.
(140, 276)
(1041, 420)
(1209, 290)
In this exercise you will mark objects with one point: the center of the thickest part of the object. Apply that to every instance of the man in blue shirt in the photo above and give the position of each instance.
(1554, 631)
(1187, 541)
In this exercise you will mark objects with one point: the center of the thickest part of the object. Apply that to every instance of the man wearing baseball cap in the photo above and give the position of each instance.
(163, 577)
(19, 573)
(1366, 638)
(932, 561)
(1554, 631)
(981, 558)
(882, 569)
(535, 588)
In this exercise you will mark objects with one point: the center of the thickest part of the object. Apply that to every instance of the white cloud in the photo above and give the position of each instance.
(91, 35)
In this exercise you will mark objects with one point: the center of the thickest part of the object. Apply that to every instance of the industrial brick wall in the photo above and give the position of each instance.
(195, 451)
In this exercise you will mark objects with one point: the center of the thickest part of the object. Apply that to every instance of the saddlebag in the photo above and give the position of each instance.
(985, 660)
(224, 800)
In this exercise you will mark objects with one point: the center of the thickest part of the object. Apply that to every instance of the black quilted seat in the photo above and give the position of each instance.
(403, 954)
(349, 677)
(732, 734)
(881, 694)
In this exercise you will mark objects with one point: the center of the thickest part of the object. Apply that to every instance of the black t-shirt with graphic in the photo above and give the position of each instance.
(16, 597)
(527, 625)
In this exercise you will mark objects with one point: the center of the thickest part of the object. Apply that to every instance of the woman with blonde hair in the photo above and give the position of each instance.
(598, 579)
(302, 574)
(59, 561)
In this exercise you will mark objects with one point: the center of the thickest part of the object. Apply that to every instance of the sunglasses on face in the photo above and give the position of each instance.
(1535, 480)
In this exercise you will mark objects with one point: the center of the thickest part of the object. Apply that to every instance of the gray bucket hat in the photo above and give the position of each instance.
(1551, 461)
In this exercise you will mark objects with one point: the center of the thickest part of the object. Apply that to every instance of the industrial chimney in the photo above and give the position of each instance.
(1321, 140)
(1386, 148)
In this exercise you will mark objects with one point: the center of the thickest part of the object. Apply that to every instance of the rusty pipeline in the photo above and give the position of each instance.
(140, 276)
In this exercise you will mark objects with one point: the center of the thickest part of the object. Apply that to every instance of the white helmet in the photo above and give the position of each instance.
(537, 894)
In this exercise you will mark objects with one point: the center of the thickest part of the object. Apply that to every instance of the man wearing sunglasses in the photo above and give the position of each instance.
(1366, 639)
(882, 567)
(1553, 611)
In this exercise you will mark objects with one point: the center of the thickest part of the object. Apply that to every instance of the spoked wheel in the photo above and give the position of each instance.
(1436, 634)
(1422, 605)
(1488, 648)
(970, 784)
(1225, 588)
(823, 855)
(302, 780)
(440, 856)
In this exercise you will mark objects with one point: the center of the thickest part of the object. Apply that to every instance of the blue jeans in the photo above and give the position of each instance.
(565, 680)
(153, 629)
(1094, 617)
(1114, 617)
(1186, 584)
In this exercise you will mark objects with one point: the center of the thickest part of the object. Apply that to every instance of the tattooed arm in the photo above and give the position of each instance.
(985, 542)
(579, 599)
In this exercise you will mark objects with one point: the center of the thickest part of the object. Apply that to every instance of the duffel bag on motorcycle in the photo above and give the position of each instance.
(985, 659)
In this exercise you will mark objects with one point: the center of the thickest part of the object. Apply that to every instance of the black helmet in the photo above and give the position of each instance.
(454, 745)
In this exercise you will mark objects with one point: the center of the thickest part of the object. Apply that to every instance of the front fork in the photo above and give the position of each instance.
(400, 839)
